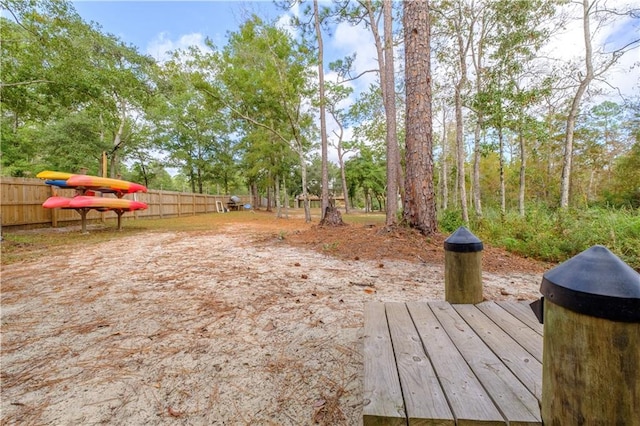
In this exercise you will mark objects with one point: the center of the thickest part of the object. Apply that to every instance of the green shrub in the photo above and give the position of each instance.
(449, 220)
(556, 235)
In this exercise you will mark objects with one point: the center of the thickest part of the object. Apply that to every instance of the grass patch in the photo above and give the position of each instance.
(23, 245)
(556, 236)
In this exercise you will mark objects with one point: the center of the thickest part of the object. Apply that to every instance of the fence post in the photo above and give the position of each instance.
(463, 267)
(591, 356)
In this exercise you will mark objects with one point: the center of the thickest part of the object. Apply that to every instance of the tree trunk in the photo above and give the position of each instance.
(479, 70)
(332, 217)
(286, 197)
(323, 120)
(503, 198)
(567, 158)
(477, 202)
(387, 85)
(523, 168)
(343, 179)
(305, 194)
(277, 191)
(117, 141)
(390, 111)
(460, 155)
(419, 203)
(255, 196)
(445, 164)
(269, 193)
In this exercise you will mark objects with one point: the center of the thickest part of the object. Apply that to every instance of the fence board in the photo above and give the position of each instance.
(21, 204)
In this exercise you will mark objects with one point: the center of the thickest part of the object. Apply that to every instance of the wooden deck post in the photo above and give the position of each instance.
(591, 355)
(463, 267)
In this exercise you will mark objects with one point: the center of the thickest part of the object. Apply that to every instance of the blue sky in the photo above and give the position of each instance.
(159, 26)
(152, 25)
(156, 27)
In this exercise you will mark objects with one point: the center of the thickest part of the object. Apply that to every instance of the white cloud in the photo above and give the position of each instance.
(568, 47)
(348, 39)
(162, 46)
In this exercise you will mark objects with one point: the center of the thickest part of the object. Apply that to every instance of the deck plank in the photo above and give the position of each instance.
(423, 396)
(470, 403)
(383, 404)
(521, 363)
(512, 398)
(523, 312)
(522, 333)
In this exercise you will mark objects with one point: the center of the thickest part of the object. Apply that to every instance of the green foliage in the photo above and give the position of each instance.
(449, 220)
(556, 236)
(66, 89)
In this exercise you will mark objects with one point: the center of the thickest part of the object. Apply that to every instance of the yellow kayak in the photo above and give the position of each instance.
(89, 182)
(50, 175)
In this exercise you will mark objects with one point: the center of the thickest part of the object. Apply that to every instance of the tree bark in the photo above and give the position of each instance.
(390, 110)
(323, 119)
(445, 164)
(463, 48)
(567, 158)
(387, 84)
(305, 194)
(343, 176)
(419, 203)
(277, 191)
(523, 170)
(503, 198)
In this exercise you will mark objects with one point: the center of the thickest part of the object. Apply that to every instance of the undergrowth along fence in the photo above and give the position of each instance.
(21, 204)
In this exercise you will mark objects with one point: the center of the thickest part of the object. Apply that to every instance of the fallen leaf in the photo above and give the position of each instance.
(269, 326)
(173, 413)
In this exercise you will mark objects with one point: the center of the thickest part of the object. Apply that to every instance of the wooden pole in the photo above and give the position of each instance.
(591, 369)
(463, 267)
(591, 356)
(83, 219)
(104, 164)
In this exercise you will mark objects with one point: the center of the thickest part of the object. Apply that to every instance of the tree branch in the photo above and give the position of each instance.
(24, 83)
(356, 77)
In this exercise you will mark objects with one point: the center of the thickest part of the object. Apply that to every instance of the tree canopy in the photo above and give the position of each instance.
(517, 128)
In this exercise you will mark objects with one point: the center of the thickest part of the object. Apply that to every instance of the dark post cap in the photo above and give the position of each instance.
(596, 283)
(463, 241)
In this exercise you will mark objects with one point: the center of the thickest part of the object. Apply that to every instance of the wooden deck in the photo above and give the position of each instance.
(440, 364)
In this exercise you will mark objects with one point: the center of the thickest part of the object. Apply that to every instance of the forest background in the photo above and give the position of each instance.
(539, 155)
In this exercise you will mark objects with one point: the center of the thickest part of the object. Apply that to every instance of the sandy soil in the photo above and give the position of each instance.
(240, 325)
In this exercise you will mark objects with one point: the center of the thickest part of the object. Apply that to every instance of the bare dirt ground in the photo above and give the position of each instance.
(252, 322)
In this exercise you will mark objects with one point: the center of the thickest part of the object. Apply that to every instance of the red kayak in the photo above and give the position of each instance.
(98, 203)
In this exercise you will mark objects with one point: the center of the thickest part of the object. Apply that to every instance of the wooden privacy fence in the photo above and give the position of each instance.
(21, 202)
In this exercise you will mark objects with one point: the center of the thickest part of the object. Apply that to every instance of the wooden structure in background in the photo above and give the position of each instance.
(443, 364)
